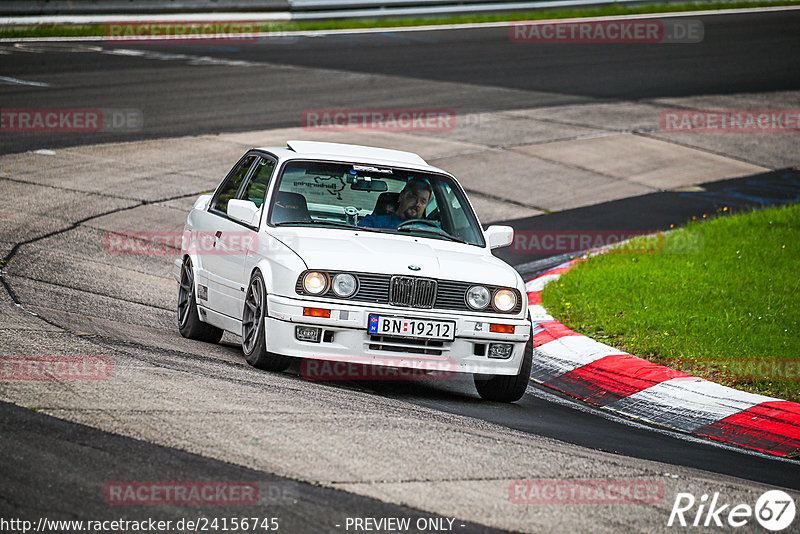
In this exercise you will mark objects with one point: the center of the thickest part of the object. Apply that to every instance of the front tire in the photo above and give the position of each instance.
(189, 323)
(507, 388)
(254, 342)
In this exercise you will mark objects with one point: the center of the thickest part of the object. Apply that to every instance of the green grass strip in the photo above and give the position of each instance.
(97, 30)
(717, 299)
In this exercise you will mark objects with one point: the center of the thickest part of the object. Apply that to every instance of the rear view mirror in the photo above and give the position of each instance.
(369, 185)
(244, 211)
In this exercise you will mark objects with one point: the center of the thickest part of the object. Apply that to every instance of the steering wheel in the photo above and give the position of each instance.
(424, 222)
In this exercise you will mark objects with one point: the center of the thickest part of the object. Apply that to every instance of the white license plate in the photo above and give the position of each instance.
(390, 325)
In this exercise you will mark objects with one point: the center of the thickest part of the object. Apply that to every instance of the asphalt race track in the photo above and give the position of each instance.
(468, 71)
(87, 459)
(179, 410)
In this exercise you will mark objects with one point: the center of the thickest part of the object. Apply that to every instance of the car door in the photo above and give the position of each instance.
(219, 264)
(255, 190)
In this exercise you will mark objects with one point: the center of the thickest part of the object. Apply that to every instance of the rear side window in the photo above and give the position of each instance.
(256, 189)
(232, 184)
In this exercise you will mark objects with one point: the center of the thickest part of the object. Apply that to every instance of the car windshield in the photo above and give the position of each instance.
(374, 198)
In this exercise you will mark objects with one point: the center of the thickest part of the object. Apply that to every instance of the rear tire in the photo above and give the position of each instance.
(254, 338)
(189, 323)
(507, 388)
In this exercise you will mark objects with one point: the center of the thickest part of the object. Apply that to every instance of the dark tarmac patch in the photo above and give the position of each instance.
(644, 214)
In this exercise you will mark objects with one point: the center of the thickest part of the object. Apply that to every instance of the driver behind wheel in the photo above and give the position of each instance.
(410, 205)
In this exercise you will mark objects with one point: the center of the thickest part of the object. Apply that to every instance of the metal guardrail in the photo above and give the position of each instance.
(304, 9)
(459, 8)
(100, 7)
(37, 12)
(321, 5)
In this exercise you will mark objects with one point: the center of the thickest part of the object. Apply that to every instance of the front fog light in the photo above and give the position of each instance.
(315, 283)
(307, 333)
(504, 300)
(344, 285)
(500, 351)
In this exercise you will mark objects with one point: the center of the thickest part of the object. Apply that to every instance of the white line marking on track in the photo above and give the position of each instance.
(191, 59)
(16, 81)
(37, 47)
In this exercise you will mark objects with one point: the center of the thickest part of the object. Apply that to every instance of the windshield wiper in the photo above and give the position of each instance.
(318, 223)
(335, 224)
(431, 232)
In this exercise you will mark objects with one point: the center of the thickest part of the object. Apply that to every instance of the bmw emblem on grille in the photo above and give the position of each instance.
(414, 267)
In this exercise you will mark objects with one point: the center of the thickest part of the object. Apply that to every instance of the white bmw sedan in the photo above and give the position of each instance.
(343, 253)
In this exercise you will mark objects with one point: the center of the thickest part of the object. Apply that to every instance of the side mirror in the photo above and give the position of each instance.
(202, 202)
(499, 236)
(244, 211)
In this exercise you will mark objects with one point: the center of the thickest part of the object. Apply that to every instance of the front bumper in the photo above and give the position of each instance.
(344, 337)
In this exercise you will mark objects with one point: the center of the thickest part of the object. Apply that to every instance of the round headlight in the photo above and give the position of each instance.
(504, 300)
(344, 285)
(477, 297)
(315, 282)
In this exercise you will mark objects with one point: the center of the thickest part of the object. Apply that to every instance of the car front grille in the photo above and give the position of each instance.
(372, 288)
(412, 291)
(451, 295)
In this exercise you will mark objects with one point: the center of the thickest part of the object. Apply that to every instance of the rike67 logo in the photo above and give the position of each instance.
(774, 510)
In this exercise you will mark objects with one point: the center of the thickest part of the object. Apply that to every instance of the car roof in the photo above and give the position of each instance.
(295, 149)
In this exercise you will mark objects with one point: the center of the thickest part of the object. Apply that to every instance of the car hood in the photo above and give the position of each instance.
(363, 251)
